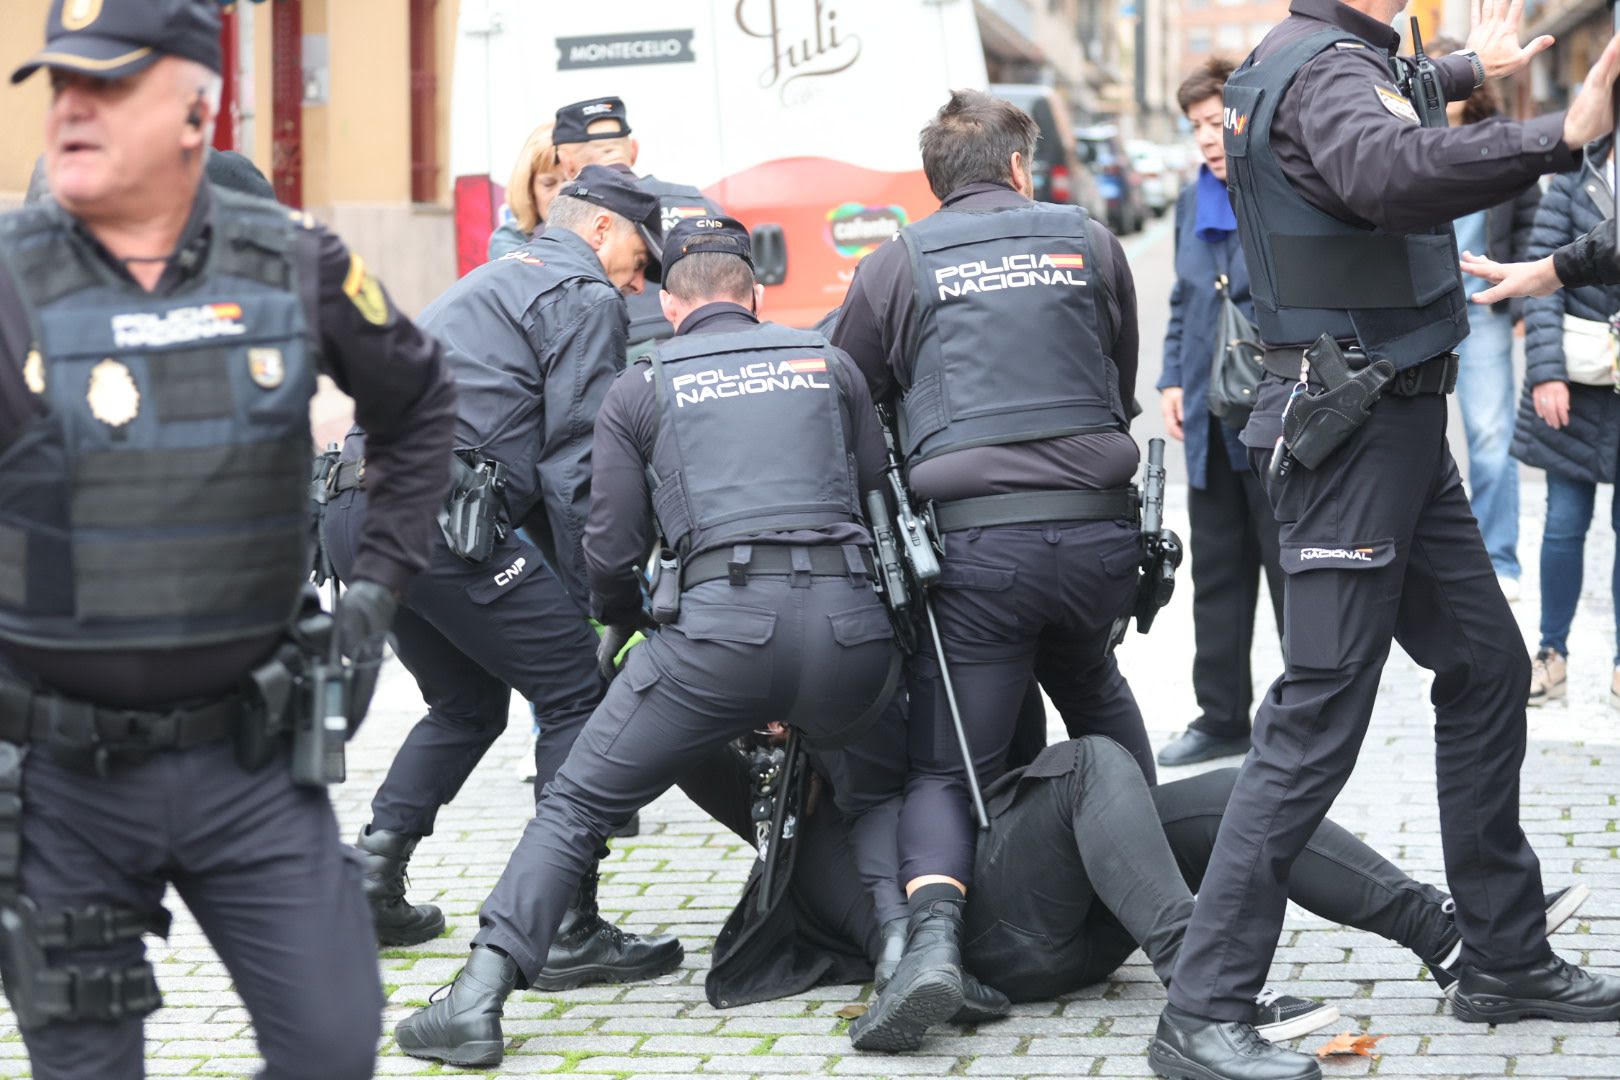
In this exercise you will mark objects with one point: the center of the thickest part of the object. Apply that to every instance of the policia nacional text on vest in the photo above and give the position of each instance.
(172, 515)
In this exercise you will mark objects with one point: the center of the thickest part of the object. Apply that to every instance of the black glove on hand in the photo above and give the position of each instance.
(363, 618)
(614, 639)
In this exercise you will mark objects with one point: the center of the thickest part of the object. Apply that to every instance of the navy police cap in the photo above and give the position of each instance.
(693, 236)
(113, 39)
(574, 121)
(614, 187)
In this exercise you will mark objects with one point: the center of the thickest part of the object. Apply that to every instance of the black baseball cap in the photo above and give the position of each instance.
(573, 121)
(113, 39)
(689, 236)
(614, 187)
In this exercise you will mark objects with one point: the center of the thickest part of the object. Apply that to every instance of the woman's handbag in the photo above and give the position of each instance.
(1235, 370)
(1591, 357)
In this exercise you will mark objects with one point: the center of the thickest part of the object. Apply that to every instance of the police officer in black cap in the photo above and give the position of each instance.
(159, 342)
(745, 448)
(534, 340)
(1344, 200)
(597, 131)
(1004, 331)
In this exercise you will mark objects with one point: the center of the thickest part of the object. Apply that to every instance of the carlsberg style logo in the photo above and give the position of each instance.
(1009, 272)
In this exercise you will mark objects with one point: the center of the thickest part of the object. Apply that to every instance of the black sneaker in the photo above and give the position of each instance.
(1279, 1017)
(1561, 907)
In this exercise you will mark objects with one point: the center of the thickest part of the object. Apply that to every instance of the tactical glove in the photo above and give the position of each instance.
(363, 617)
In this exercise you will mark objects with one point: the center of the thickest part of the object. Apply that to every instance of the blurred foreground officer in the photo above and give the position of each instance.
(1344, 203)
(1005, 331)
(758, 441)
(534, 341)
(159, 341)
(598, 132)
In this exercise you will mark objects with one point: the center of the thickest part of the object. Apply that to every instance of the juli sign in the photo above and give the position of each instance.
(805, 39)
(625, 50)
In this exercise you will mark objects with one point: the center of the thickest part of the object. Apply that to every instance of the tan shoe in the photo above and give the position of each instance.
(1548, 675)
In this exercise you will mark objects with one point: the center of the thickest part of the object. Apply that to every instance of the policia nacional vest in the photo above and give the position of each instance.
(1007, 346)
(162, 501)
(754, 419)
(1399, 295)
(678, 201)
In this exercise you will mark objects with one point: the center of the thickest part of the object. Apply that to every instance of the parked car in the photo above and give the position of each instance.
(1103, 151)
(1059, 174)
(1159, 185)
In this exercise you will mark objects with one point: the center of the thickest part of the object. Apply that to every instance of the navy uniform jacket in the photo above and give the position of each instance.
(1189, 343)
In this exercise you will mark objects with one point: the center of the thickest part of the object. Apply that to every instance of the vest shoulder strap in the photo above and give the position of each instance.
(763, 336)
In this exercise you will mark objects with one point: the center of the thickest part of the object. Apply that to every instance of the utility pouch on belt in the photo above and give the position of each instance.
(1315, 425)
(293, 690)
(665, 588)
(473, 518)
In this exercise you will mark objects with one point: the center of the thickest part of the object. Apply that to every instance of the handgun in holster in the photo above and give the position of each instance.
(1316, 424)
(1162, 552)
(305, 695)
(473, 518)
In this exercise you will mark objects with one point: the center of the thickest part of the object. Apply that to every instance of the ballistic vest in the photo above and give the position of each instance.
(163, 500)
(678, 201)
(1399, 294)
(1006, 331)
(758, 433)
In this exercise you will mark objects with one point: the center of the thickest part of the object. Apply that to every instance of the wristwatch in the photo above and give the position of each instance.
(1477, 64)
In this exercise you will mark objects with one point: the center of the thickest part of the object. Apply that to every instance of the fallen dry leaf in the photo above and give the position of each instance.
(850, 1012)
(1349, 1043)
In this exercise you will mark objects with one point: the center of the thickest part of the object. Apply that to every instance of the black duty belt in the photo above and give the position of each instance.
(348, 474)
(740, 562)
(29, 716)
(1437, 375)
(1029, 507)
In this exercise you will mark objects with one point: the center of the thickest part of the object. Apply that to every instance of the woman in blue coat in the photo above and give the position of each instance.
(1234, 536)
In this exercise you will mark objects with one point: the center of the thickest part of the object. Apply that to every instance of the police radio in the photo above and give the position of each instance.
(1422, 84)
(323, 725)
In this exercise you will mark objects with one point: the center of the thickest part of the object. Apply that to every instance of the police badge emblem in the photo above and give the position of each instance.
(266, 368)
(78, 14)
(114, 398)
(34, 372)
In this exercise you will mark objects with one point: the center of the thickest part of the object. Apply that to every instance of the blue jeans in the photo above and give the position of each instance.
(1563, 549)
(1485, 394)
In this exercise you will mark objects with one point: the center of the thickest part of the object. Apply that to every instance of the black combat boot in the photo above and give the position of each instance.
(398, 921)
(588, 949)
(1188, 1047)
(979, 1002)
(926, 988)
(894, 947)
(1554, 989)
(464, 1026)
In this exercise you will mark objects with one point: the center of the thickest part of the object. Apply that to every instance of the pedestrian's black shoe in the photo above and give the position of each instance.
(588, 949)
(980, 1003)
(1193, 746)
(927, 985)
(1554, 989)
(1279, 1017)
(1188, 1047)
(1561, 907)
(397, 920)
(464, 1026)
(894, 947)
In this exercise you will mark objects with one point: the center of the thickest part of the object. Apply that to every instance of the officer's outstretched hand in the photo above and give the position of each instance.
(1509, 280)
(364, 615)
(1592, 112)
(1495, 37)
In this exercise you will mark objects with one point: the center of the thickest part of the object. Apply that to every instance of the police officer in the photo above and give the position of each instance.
(159, 342)
(1344, 201)
(1004, 331)
(534, 340)
(757, 442)
(597, 131)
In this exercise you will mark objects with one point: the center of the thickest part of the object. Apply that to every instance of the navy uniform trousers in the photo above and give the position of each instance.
(1378, 544)
(258, 861)
(737, 658)
(470, 635)
(1015, 602)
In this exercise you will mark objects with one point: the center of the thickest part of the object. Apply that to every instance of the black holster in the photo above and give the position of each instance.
(40, 993)
(473, 517)
(289, 697)
(1315, 425)
(664, 589)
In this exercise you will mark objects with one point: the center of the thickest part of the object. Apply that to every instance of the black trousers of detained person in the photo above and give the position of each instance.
(1378, 544)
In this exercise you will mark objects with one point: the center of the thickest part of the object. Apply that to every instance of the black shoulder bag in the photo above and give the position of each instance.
(1235, 369)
